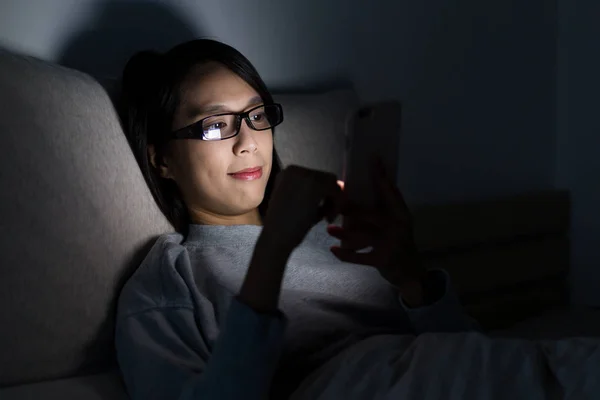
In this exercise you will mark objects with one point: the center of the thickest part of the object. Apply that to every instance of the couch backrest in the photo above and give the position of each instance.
(75, 215)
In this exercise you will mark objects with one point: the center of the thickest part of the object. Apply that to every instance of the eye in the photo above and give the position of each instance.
(215, 126)
(258, 117)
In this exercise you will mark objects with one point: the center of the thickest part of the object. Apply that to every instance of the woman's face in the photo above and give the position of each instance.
(205, 171)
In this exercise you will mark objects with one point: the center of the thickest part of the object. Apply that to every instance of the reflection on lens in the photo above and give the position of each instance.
(213, 134)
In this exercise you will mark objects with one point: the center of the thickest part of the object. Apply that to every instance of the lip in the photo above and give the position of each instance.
(248, 174)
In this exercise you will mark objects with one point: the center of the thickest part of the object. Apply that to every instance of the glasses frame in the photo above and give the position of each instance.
(190, 131)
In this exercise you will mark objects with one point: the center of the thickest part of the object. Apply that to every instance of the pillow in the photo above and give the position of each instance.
(76, 218)
(313, 130)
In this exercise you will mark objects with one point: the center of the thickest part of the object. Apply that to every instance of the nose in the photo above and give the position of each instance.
(245, 143)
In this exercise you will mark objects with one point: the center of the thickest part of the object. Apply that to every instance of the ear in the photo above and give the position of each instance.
(160, 165)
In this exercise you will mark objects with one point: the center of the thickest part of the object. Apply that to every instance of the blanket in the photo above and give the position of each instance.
(458, 366)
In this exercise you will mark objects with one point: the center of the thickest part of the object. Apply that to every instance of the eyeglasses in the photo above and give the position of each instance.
(225, 126)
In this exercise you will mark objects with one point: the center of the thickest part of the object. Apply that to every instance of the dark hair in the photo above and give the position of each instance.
(150, 90)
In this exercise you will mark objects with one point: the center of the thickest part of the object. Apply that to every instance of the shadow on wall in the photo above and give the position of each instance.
(120, 29)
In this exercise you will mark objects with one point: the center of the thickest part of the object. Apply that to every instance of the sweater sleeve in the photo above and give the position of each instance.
(445, 314)
(162, 354)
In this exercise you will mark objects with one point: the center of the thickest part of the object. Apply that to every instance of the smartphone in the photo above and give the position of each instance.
(373, 130)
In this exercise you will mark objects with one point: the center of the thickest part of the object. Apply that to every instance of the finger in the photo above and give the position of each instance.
(353, 239)
(340, 199)
(330, 206)
(334, 197)
(351, 256)
(322, 191)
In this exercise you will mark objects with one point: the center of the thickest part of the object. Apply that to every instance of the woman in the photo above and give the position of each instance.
(200, 317)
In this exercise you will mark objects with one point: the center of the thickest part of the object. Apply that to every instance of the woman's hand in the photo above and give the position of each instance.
(301, 198)
(388, 232)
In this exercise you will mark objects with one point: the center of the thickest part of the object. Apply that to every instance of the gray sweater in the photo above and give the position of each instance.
(182, 334)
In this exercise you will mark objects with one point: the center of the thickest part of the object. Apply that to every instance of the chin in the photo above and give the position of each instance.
(250, 201)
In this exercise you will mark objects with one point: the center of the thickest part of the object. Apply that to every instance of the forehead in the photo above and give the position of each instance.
(214, 84)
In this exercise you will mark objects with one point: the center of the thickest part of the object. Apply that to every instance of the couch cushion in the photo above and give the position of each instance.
(76, 218)
(313, 133)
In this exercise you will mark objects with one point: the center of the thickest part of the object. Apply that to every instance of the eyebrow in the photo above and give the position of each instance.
(212, 108)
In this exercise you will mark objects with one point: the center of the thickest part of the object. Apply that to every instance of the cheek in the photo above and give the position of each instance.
(267, 153)
(265, 144)
(199, 165)
(202, 168)
(209, 163)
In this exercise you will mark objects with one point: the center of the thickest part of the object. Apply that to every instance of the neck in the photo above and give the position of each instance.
(203, 217)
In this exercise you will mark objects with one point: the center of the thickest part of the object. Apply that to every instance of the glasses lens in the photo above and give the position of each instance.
(265, 117)
(274, 114)
(219, 127)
